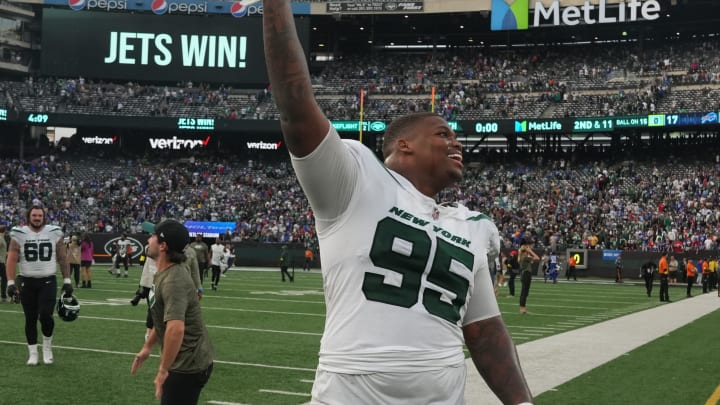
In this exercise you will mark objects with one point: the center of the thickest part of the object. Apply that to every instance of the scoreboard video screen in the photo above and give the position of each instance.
(148, 47)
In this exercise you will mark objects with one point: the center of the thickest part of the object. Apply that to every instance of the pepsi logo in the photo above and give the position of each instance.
(76, 5)
(159, 7)
(238, 9)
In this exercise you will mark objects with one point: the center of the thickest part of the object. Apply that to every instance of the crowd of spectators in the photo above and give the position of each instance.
(559, 202)
(631, 205)
(603, 79)
(118, 195)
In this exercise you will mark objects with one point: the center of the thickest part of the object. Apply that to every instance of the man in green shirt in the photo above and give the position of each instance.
(186, 352)
(203, 255)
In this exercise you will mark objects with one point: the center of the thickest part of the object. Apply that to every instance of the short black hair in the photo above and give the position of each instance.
(398, 127)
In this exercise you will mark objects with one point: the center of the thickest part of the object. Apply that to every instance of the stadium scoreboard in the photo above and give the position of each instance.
(196, 124)
(508, 127)
(591, 124)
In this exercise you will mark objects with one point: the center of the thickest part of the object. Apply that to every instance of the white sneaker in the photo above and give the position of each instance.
(33, 359)
(47, 350)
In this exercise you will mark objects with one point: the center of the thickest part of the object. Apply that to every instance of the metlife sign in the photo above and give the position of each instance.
(212, 49)
(514, 14)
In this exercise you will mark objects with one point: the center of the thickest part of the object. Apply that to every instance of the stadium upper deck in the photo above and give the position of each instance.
(546, 72)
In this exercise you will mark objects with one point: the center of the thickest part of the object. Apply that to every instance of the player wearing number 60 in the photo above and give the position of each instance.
(37, 247)
(407, 280)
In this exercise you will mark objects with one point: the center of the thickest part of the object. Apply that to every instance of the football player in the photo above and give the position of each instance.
(406, 279)
(122, 255)
(38, 247)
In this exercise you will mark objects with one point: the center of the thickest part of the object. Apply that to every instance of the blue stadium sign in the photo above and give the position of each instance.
(610, 255)
(209, 229)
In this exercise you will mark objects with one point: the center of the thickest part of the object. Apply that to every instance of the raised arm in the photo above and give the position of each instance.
(303, 123)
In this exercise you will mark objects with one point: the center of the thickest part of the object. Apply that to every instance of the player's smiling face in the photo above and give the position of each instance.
(438, 151)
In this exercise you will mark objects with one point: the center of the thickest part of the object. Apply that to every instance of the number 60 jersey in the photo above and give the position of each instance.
(37, 250)
(401, 274)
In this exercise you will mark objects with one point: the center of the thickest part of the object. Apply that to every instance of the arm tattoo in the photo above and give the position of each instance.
(285, 59)
(495, 357)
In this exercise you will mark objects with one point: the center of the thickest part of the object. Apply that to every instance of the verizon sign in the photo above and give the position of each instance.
(96, 140)
(177, 144)
(264, 145)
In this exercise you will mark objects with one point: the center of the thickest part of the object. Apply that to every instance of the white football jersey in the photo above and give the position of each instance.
(217, 253)
(123, 246)
(401, 273)
(37, 250)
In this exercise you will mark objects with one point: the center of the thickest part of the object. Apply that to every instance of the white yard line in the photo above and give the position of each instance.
(297, 394)
(234, 363)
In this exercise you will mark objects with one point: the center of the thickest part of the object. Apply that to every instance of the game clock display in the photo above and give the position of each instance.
(38, 118)
(489, 127)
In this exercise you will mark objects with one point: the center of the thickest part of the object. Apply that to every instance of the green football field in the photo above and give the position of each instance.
(266, 336)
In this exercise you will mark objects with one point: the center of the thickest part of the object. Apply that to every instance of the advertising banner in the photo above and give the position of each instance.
(375, 6)
(174, 48)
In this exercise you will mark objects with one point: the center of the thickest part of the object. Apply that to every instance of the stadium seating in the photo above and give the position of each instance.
(532, 195)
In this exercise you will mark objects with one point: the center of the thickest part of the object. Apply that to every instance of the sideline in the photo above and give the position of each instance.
(714, 398)
(552, 361)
